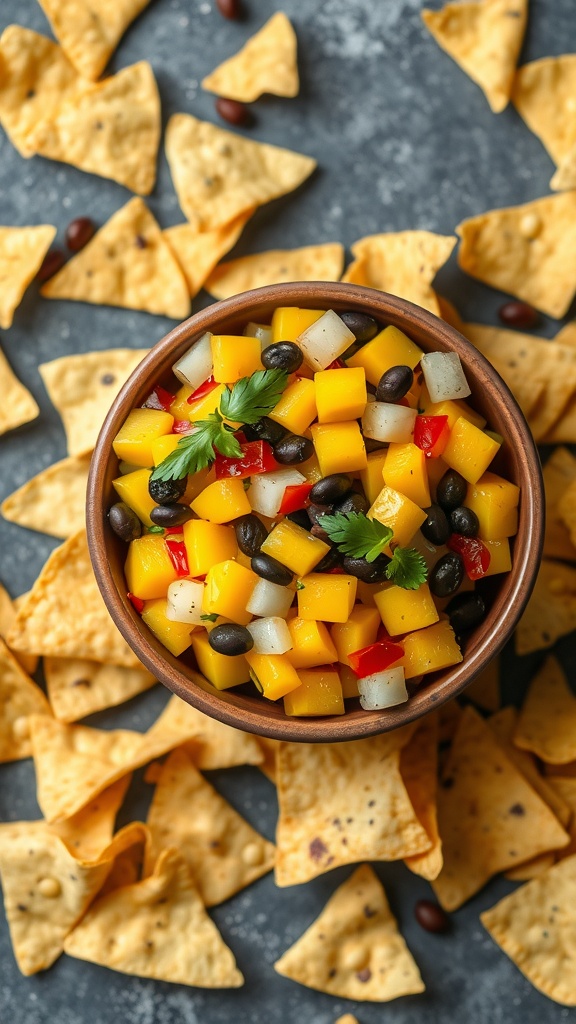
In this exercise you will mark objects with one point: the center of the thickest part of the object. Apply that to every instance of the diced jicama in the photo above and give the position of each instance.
(268, 599)
(270, 635)
(195, 366)
(383, 689)
(444, 376)
(383, 421)
(185, 602)
(325, 340)
(266, 491)
(261, 331)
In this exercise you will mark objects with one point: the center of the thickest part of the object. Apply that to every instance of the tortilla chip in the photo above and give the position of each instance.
(269, 748)
(311, 263)
(209, 744)
(348, 1018)
(8, 611)
(128, 264)
(489, 817)
(534, 926)
(341, 803)
(531, 868)
(419, 771)
(404, 264)
(485, 689)
(567, 334)
(83, 387)
(54, 501)
(90, 30)
(354, 949)
(547, 724)
(19, 698)
(532, 396)
(566, 790)
(525, 250)
(551, 610)
(127, 867)
(21, 253)
(567, 511)
(484, 38)
(198, 253)
(449, 717)
(559, 473)
(159, 929)
(18, 406)
(564, 430)
(224, 853)
(77, 688)
(565, 177)
(267, 63)
(543, 95)
(219, 175)
(89, 832)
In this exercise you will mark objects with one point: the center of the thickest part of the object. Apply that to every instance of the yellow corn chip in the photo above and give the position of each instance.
(531, 868)
(90, 30)
(448, 720)
(489, 817)
(534, 926)
(567, 334)
(219, 175)
(159, 929)
(83, 387)
(419, 770)
(564, 430)
(127, 867)
(404, 264)
(484, 38)
(198, 253)
(222, 850)
(270, 750)
(525, 250)
(565, 177)
(341, 803)
(8, 611)
(18, 406)
(266, 63)
(21, 253)
(77, 688)
(211, 744)
(551, 610)
(485, 689)
(532, 396)
(311, 263)
(559, 473)
(547, 724)
(128, 264)
(19, 698)
(89, 832)
(543, 95)
(348, 1018)
(566, 789)
(54, 501)
(567, 512)
(354, 949)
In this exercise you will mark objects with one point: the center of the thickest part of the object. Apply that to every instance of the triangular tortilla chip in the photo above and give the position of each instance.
(485, 689)
(531, 395)
(341, 803)
(224, 853)
(531, 868)
(547, 724)
(354, 949)
(54, 501)
(46, 624)
(129, 264)
(567, 511)
(90, 30)
(311, 263)
(159, 929)
(267, 63)
(419, 770)
(564, 430)
(21, 253)
(89, 832)
(565, 177)
(543, 95)
(214, 745)
(78, 688)
(83, 387)
(567, 334)
(19, 698)
(198, 253)
(348, 1018)
(489, 817)
(534, 926)
(219, 175)
(18, 406)
(551, 610)
(525, 250)
(484, 38)
(404, 264)
(8, 612)
(559, 473)
(566, 790)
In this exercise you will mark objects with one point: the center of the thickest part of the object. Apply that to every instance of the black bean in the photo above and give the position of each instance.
(447, 575)
(519, 315)
(352, 503)
(166, 492)
(363, 327)
(330, 561)
(264, 430)
(170, 515)
(293, 449)
(271, 569)
(232, 111)
(124, 522)
(318, 531)
(372, 445)
(431, 917)
(79, 232)
(300, 517)
(331, 488)
(282, 355)
(53, 261)
(451, 490)
(229, 8)
(315, 512)
(435, 527)
(466, 611)
(250, 534)
(230, 639)
(463, 520)
(368, 572)
(394, 384)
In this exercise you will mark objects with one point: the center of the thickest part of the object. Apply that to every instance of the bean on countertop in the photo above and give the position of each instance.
(518, 314)
(53, 261)
(79, 232)
(431, 916)
(233, 111)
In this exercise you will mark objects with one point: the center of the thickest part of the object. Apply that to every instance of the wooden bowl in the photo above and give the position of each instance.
(517, 460)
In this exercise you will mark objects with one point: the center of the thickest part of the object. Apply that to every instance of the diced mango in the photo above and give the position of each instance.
(163, 446)
(272, 674)
(234, 357)
(399, 513)
(288, 322)
(311, 644)
(454, 409)
(221, 670)
(295, 548)
(222, 501)
(319, 693)
(365, 593)
(469, 450)
(311, 469)
(371, 477)
(132, 488)
(148, 569)
(328, 597)
(339, 447)
(297, 406)
(435, 469)
(202, 407)
(196, 484)
(405, 470)
(500, 557)
(133, 442)
(176, 636)
(340, 394)
(208, 544)
(348, 681)
(430, 649)
(359, 631)
(180, 408)
(391, 347)
(228, 589)
(403, 611)
(495, 502)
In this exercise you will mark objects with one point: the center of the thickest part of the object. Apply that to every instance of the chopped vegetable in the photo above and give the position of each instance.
(444, 376)
(383, 690)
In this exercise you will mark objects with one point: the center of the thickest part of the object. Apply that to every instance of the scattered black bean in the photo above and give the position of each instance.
(293, 449)
(124, 522)
(394, 384)
(271, 569)
(170, 515)
(431, 917)
(447, 575)
(230, 639)
(368, 572)
(466, 611)
(232, 111)
(166, 492)
(229, 8)
(330, 489)
(352, 503)
(283, 355)
(250, 534)
(330, 561)
(518, 314)
(79, 232)
(300, 517)
(463, 520)
(264, 430)
(451, 490)
(363, 327)
(53, 261)
(436, 527)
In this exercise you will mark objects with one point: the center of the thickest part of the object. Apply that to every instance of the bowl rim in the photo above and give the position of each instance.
(489, 638)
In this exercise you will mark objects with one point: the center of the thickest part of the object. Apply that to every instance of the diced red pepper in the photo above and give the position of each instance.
(178, 555)
(475, 554)
(137, 602)
(257, 457)
(172, 529)
(182, 427)
(336, 571)
(203, 390)
(159, 399)
(336, 364)
(431, 434)
(375, 658)
(296, 496)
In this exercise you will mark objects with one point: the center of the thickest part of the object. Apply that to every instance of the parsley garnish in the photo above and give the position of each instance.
(359, 537)
(155, 529)
(209, 618)
(407, 568)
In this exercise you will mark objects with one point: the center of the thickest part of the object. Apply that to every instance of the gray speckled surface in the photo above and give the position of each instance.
(404, 140)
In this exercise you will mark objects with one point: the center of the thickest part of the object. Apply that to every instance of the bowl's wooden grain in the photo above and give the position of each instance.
(518, 460)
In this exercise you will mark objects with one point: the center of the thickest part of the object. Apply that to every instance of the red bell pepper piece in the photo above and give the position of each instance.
(296, 496)
(178, 555)
(475, 554)
(203, 390)
(136, 601)
(159, 399)
(375, 658)
(182, 427)
(431, 434)
(257, 457)
(336, 364)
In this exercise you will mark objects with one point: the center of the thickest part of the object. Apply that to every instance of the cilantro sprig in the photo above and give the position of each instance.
(359, 537)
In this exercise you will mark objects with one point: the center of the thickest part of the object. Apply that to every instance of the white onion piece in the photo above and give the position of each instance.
(386, 422)
(325, 340)
(268, 599)
(267, 489)
(383, 689)
(261, 331)
(444, 376)
(195, 366)
(185, 602)
(270, 635)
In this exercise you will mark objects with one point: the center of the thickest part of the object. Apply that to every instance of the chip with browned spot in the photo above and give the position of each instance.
(78, 687)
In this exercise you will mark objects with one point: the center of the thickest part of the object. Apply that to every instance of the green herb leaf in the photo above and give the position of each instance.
(155, 529)
(209, 618)
(407, 568)
(195, 451)
(253, 397)
(300, 585)
(356, 535)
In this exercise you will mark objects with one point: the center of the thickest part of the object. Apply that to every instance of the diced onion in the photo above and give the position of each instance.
(325, 340)
(268, 599)
(195, 366)
(444, 376)
(185, 602)
(383, 421)
(270, 635)
(266, 490)
(383, 689)
(261, 331)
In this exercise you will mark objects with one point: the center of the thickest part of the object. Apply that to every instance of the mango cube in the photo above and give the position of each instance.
(180, 408)
(454, 409)
(234, 357)
(349, 682)
(327, 597)
(403, 516)
(288, 322)
(319, 693)
(371, 478)
(207, 544)
(163, 446)
(176, 636)
(133, 442)
(405, 470)
(297, 406)
(222, 501)
(469, 450)
(202, 407)
(359, 631)
(339, 447)
(500, 557)
(229, 587)
(430, 650)
(495, 502)
(311, 643)
(340, 394)
(391, 347)
(221, 670)
(272, 674)
(403, 611)
(132, 488)
(295, 548)
(148, 568)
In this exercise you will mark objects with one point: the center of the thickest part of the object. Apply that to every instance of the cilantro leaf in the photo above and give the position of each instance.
(209, 618)
(356, 535)
(253, 397)
(407, 568)
(193, 451)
